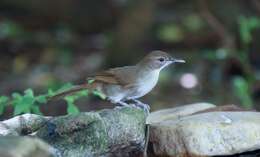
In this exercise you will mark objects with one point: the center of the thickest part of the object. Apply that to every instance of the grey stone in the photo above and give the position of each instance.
(117, 132)
(177, 112)
(207, 134)
(15, 146)
(22, 124)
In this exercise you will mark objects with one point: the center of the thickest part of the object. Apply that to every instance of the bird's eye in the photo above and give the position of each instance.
(161, 59)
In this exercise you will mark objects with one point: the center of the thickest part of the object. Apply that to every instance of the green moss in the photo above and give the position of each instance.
(78, 133)
(94, 133)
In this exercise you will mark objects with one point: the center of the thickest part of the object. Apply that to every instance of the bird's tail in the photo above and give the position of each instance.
(73, 90)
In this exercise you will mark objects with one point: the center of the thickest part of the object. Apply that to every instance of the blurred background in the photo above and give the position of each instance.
(45, 44)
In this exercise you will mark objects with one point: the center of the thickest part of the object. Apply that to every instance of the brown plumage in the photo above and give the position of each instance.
(128, 82)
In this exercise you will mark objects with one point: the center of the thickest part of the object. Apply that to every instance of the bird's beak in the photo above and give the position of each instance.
(177, 60)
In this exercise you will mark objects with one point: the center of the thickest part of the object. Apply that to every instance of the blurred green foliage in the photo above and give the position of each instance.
(30, 103)
(27, 102)
(170, 33)
(242, 91)
(193, 23)
(10, 29)
(214, 55)
(242, 85)
(246, 26)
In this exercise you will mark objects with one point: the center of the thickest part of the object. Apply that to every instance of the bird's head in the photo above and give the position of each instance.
(157, 60)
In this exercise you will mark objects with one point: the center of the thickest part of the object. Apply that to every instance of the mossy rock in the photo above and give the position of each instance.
(15, 146)
(110, 132)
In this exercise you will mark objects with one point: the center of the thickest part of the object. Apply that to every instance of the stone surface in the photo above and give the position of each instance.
(117, 132)
(22, 125)
(207, 134)
(177, 112)
(14, 146)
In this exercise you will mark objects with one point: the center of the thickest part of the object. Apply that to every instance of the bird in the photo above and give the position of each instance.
(128, 83)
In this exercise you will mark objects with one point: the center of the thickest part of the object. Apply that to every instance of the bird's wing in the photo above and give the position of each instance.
(121, 76)
(106, 77)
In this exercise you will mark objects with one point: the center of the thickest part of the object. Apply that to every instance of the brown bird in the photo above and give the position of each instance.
(129, 82)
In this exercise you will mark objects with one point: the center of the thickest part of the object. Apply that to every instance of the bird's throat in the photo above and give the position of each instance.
(148, 75)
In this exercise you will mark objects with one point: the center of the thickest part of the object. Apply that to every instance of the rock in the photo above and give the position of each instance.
(14, 146)
(22, 125)
(207, 134)
(111, 132)
(117, 132)
(177, 112)
(223, 108)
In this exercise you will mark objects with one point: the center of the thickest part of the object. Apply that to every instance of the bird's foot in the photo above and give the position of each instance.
(123, 104)
(119, 104)
(141, 105)
(137, 104)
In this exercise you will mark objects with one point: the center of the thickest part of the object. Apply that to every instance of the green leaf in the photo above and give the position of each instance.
(82, 93)
(36, 110)
(23, 104)
(76, 96)
(72, 109)
(50, 93)
(16, 96)
(69, 99)
(41, 99)
(3, 99)
(65, 87)
(29, 92)
(99, 94)
(90, 81)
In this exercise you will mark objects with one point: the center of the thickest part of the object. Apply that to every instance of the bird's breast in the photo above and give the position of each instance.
(145, 85)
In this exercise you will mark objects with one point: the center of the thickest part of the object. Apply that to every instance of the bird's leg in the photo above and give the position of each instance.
(144, 106)
(123, 104)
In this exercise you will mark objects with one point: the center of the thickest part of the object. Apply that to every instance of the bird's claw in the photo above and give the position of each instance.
(144, 107)
(141, 105)
(137, 104)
